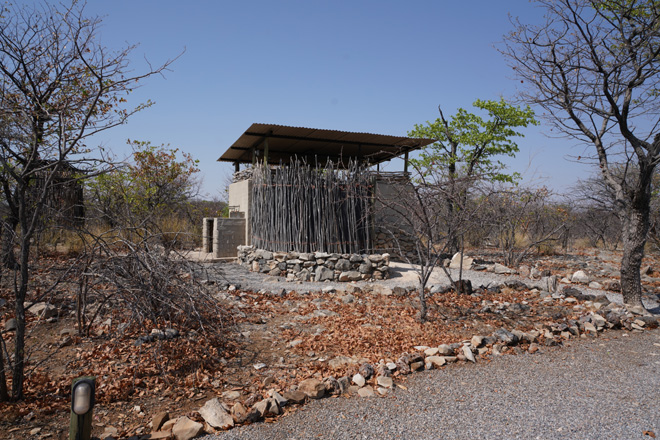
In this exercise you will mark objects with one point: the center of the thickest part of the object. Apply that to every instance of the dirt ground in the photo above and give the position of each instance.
(273, 342)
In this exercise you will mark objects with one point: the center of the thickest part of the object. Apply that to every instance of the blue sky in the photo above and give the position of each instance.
(368, 66)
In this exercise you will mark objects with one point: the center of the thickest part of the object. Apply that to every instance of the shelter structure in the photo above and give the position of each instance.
(307, 190)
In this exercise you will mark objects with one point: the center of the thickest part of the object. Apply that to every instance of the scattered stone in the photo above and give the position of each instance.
(524, 271)
(366, 392)
(477, 341)
(186, 429)
(352, 275)
(505, 336)
(261, 408)
(167, 426)
(580, 277)
(637, 310)
(366, 370)
(502, 269)
(467, 352)
(215, 415)
(359, 380)
(158, 435)
(252, 399)
(383, 391)
(348, 299)
(109, 431)
(259, 366)
(416, 366)
(385, 382)
(239, 413)
(590, 328)
(445, 350)
(313, 388)
(159, 419)
(435, 361)
(649, 321)
(344, 384)
(43, 310)
(295, 396)
(11, 325)
(456, 261)
(613, 285)
(431, 351)
(340, 362)
(332, 386)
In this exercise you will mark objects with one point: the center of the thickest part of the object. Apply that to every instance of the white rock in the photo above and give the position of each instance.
(467, 352)
(501, 269)
(456, 261)
(359, 380)
(431, 351)
(366, 392)
(186, 429)
(580, 277)
(476, 341)
(435, 361)
(215, 415)
(385, 382)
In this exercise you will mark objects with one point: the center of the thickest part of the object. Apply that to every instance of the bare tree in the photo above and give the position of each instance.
(595, 215)
(413, 213)
(58, 87)
(593, 67)
(520, 220)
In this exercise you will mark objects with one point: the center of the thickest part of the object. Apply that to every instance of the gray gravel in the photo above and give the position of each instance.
(401, 275)
(602, 388)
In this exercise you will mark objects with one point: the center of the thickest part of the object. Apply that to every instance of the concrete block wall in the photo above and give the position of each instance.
(239, 198)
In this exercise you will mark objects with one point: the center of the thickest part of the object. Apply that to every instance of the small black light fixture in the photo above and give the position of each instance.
(82, 404)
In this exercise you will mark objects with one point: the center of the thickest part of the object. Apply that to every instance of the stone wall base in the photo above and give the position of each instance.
(315, 266)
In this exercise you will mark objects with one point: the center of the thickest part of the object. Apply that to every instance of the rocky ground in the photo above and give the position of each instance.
(606, 387)
(295, 342)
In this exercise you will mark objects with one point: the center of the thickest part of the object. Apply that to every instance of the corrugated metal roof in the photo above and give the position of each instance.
(313, 144)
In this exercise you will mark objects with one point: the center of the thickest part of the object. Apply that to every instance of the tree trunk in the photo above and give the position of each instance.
(423, 309)
(634, 235)
(7, 243)
(18, 373)
(4, 394)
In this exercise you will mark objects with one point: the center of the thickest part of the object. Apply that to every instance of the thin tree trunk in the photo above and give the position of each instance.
(635, 232)
(18, 375)
(4, 394)
(7, 244)
(423, 309)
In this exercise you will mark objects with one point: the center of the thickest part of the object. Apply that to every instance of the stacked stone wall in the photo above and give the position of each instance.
(402, 249)
(315, 266)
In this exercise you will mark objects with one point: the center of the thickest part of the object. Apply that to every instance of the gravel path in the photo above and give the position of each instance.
(402, 275)
(602, 388)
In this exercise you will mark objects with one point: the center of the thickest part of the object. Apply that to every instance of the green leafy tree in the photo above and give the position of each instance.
(467, 146)
(143, 194)
(594, 69)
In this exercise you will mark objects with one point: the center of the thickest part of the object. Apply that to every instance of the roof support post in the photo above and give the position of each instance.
(237, 167)
(266, 151)
(405, 162)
